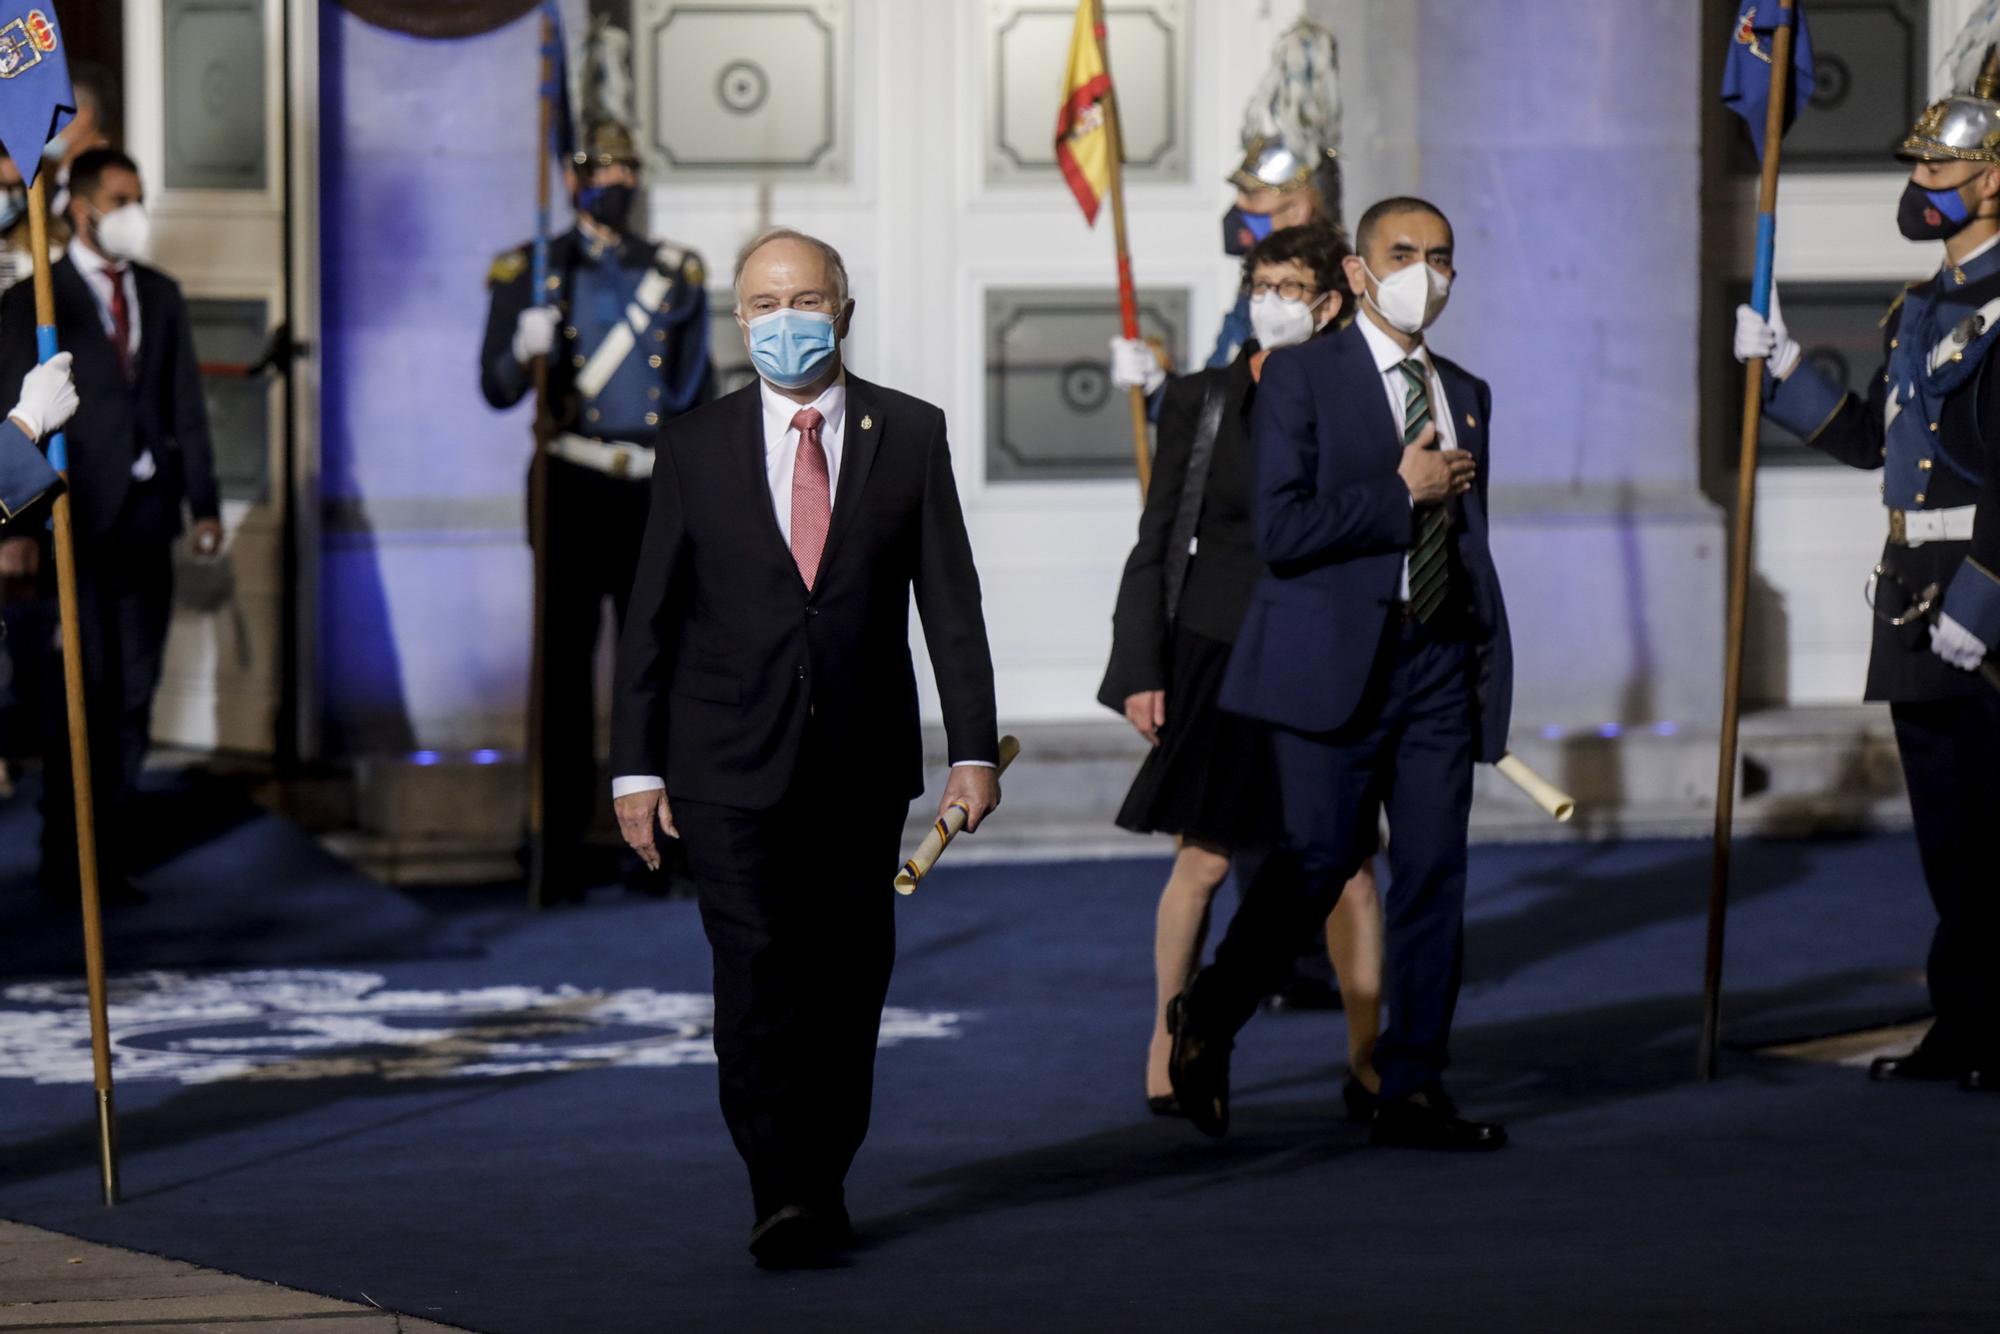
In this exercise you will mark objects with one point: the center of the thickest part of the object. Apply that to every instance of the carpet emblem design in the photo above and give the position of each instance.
(311, 1023)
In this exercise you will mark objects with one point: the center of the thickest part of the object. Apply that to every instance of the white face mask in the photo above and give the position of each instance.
(1411, 298)
(1281, 323)
(125, 232)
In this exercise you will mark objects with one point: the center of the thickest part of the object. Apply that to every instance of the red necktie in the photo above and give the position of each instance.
(121, 321)
(812, 495)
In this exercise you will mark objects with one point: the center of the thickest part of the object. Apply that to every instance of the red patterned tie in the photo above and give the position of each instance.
(812, 495)
(121, 320)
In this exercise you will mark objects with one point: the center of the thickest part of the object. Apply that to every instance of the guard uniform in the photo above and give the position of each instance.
(632, 353)
(1931, 423)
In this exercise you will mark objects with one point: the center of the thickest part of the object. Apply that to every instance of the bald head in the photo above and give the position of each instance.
(782, 267)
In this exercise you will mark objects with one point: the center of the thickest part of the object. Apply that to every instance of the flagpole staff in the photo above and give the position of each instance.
(1739, 554)
(538, 489)
(1128, 302)
(79, 727)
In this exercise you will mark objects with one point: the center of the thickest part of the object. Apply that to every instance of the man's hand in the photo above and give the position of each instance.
(637, 814)
(1759, 337)
(1135, 364)
(1957, 645)
(1435, 475)
(20, 558)
(535, 333)
(48, 398)
(206, 537)
(1147, 712)
(975, 787)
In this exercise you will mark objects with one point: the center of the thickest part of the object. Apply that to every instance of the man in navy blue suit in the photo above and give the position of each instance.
(1377, 648)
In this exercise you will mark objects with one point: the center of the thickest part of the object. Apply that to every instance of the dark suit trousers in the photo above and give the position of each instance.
(596, 523)
(799, 909)
(1409, 749)
(125, 588)
(1951, 760)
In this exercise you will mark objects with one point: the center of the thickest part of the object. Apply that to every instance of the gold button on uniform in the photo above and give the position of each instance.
(654, 361)
(1920, 497)
(569, 331)
(592, 414)
(652, 419)
(577, 361)
(1924, 464)
(659, 335)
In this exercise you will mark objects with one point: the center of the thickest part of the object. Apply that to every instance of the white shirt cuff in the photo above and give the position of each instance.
(631, 783)
(974, 764)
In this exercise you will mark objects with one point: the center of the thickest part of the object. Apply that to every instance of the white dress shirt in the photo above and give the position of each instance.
(781, 444)
(781, 453)
(96, 271)
(1388, 356)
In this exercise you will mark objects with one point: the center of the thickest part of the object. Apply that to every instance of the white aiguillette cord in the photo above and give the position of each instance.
(945, 830)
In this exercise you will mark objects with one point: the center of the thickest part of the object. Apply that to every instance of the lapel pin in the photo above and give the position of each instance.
(867, 423)
(1471, 420)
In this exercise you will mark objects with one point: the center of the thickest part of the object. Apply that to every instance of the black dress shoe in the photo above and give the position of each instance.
(1164, 1104)
(1361, 1104)
(1429, 1121)
(795, 1237)
(1199, 1069)
(1926, 1064)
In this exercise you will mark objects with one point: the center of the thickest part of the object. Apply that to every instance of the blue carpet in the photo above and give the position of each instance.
(229, 884)
(527, 1140)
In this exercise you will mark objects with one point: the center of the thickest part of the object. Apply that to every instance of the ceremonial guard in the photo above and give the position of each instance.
(1931, 422)
(624, 326)
(1289, 176)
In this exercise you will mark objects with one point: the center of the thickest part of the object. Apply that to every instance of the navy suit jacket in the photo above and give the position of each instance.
(161, 409)
(1333, 521)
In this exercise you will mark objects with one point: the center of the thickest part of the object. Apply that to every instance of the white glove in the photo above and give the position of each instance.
(48, 398)
(1134, 364)
(1758, 337)
(535, 333)
(1957, 645)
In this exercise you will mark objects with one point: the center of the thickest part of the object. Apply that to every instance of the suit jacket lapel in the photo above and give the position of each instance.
(152, 322)
(749, 446)
(865, 427)
(1466, 429)
(1371, 400)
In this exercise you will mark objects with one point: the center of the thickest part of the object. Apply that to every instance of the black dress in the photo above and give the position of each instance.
(1211, 777)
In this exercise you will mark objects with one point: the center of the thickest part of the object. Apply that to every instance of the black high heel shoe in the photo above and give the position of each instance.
(1361, 1104)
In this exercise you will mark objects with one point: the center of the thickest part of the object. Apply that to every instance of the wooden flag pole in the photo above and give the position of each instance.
(79, 726)
(1128, 302)
(1739, 554)
(538, 495)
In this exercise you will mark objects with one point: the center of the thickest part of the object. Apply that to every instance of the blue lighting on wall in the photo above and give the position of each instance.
(423, 757)
(486, 757)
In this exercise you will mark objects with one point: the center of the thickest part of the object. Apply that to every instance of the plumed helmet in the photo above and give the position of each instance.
(1291, 126)
(1965, 126)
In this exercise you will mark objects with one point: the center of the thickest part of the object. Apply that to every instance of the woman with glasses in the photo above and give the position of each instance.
(1208, 778)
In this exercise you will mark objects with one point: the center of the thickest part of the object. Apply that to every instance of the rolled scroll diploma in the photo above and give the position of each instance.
(945, 830)
(1547, 795)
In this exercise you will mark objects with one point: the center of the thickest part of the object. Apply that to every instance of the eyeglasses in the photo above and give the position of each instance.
(1291, 289)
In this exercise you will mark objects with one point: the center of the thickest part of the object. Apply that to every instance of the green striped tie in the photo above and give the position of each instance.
(1430, 567)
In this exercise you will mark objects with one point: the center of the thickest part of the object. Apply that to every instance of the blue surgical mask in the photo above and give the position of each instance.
(791, 348)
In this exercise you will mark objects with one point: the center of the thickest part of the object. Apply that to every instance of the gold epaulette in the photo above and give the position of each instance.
(1897, 304)
(507, 266)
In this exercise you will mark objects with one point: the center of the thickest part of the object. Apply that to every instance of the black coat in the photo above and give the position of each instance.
(160, 409)
(1218, 580)
(724, 649)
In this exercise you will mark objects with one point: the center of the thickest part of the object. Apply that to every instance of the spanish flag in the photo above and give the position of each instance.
(1083, 131)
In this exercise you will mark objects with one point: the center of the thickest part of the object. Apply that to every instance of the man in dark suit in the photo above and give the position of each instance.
(139, 460)
(1377, 647)
(764, 681)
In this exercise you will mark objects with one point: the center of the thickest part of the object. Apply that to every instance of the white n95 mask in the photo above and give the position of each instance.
(125, 232)
(1411, 298)
(1281, 323)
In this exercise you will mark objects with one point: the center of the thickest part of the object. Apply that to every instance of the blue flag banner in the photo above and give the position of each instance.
(562, 132)
(1746, 71)
(35, 97)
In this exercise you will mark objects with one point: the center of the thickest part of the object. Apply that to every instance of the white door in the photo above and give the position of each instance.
(916, 136)
(210, 87)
